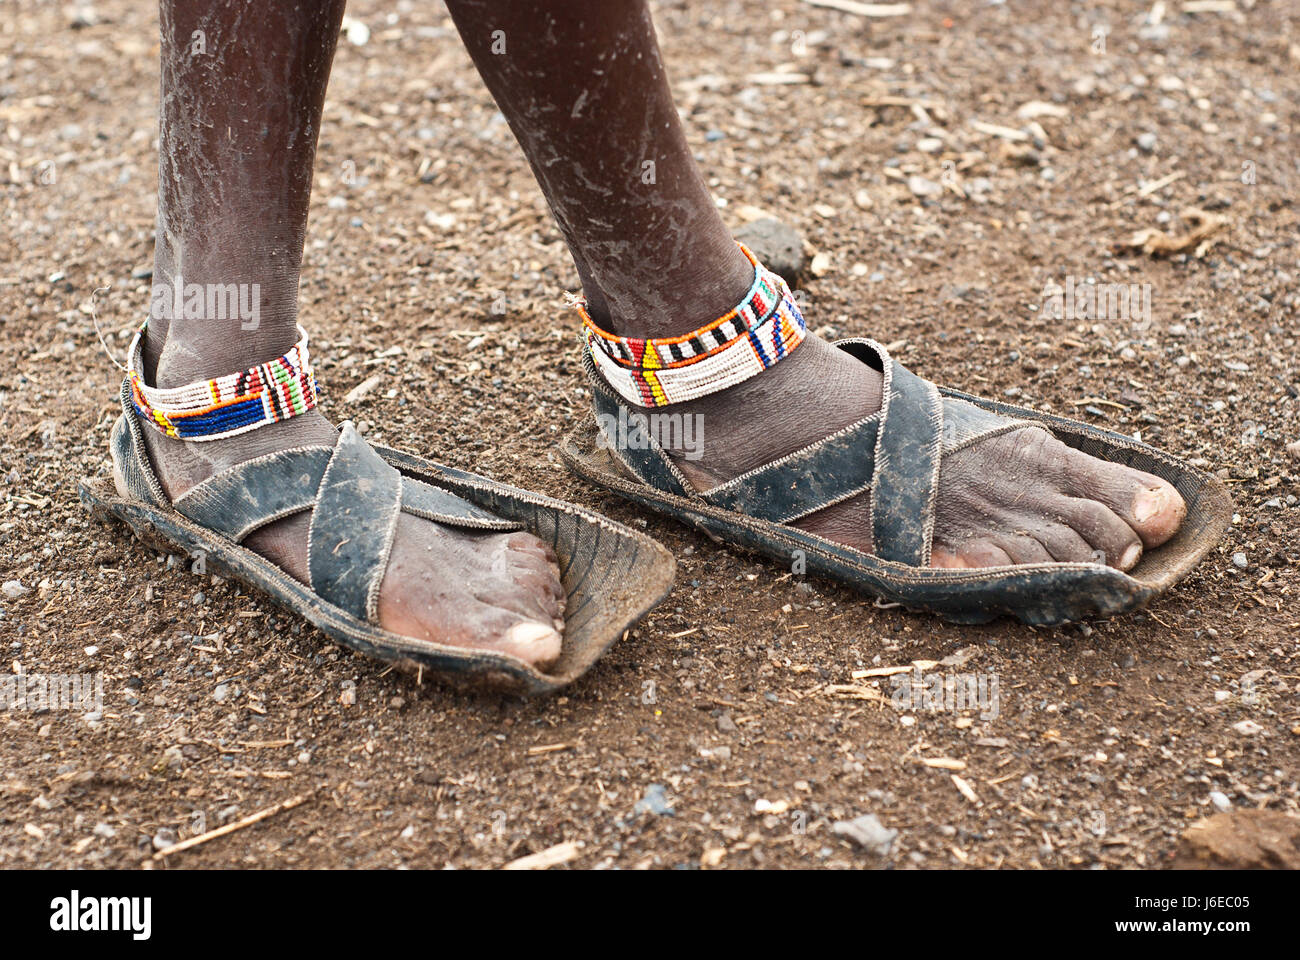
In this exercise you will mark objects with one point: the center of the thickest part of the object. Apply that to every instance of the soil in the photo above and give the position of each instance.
(729, 728)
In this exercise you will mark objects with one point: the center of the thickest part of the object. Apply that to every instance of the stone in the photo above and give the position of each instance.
(778, 247)
(924, 187)
(654, 802)
(1241, 840)
(868, 833)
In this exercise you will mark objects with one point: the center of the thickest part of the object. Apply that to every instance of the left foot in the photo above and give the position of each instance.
(1019, 497)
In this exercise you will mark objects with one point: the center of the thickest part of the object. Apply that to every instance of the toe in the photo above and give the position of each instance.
(533, 642)
(971, 554)
(527, 543)
(1022, 548)
(527, 593)
(488, 591)
(1113, 541)
(1149, 505)
(1061, 541)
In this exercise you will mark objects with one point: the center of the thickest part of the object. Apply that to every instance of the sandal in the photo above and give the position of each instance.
(897, 453)
(612, 576)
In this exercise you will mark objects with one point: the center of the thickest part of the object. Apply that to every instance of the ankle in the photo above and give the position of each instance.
(651, 300)
(189, 354)
(814, 392)
(203, 324)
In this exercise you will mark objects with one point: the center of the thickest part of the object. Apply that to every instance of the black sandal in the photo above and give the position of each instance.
(612, 576)
(896, 453)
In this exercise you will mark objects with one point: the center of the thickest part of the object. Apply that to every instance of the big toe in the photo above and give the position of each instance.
(1158, 511)
(533, 642)
(1148, 504)
(497, 592)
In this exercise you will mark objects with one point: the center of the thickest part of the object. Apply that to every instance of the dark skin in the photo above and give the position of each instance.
(584, 89)
(238, 138)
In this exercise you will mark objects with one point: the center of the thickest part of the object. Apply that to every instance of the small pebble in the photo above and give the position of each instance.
(923, 187)
(778, 245)
(1220, 801)
(1240, 561)
(654, 801)
(867, 832)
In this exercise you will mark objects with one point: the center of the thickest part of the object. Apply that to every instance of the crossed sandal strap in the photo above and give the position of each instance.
(896, 453)
(355, 497)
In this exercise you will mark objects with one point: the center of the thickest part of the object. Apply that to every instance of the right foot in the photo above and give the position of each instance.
(1018, 497)
(495, 591)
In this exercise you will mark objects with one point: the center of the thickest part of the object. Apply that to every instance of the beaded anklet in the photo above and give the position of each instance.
(740, 344)
(227, 405)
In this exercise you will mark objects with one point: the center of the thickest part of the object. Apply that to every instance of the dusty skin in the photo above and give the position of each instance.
(425, 220)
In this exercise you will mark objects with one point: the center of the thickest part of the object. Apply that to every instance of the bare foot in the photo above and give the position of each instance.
(1018, 497)
(497, 591)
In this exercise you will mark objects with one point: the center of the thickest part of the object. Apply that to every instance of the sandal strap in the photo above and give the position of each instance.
(909, 448)
(352, 526)
(646, 461)
(252, 494)
(354, 494)
(896, 453)
(833, 469)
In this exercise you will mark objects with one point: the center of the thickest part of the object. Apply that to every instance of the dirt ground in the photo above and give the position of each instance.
(728, 730)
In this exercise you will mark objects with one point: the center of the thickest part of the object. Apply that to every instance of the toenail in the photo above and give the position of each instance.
(1130, 556)
(1148, 504)
(529, 633)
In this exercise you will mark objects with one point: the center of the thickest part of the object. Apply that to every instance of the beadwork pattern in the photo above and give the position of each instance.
(225, 406)
(740, 344)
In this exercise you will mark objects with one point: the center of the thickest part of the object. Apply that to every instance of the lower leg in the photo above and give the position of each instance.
(240, 115)
(239, 124)
(583, 87)
(585, 91)
(241, 102)
(586, 94)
